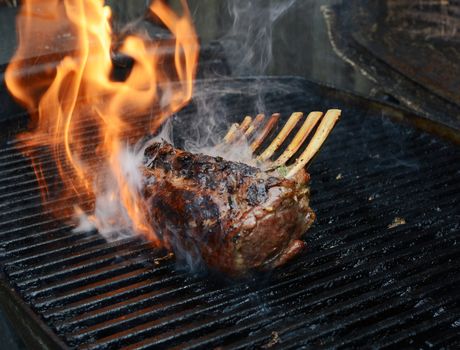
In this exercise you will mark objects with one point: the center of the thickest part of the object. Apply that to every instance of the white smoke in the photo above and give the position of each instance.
(248, 46)
(110, 217)
(249, 42)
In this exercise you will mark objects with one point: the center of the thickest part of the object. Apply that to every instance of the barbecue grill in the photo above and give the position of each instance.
(381, 268)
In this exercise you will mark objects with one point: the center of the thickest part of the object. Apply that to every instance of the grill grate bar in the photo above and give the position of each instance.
(149, 314)
(402, 318)
(89, 278)
(141, 251)
(34, 227)
(403, 178)
(388, 242)
(21, 221)
(246, 328)
(22, 241)
(98, 247)
(396, 304)
(350, 228)
(337, 154)
(307, 338)
(105, 286)
(149, 298)
(330, 201)
(448, 338)
(94, 309)
(91, 136)
(88, 242)
(42, 246)
(37, 207)
(316, 286)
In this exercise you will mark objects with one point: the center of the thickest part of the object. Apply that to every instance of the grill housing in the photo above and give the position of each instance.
(360, 283)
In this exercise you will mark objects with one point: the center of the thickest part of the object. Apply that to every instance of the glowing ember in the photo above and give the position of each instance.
(82, 115)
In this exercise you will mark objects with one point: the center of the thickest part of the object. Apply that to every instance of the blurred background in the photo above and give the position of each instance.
(271, 37)
(274, 36)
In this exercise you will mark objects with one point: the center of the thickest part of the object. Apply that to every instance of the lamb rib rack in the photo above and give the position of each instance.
(232, 216)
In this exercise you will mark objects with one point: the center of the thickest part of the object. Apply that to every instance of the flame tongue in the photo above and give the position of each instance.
(84, 117)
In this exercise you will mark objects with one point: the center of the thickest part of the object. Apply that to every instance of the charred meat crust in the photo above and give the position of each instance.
(229, 215)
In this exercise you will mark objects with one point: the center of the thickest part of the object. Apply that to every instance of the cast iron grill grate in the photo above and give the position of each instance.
(360, 283)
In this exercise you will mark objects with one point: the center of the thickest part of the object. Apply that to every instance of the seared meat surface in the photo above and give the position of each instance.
(231, 216)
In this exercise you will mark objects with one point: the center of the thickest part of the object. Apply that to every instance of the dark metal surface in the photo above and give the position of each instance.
(361, 283)
(410, 50)
(23, 329)
(420, 40)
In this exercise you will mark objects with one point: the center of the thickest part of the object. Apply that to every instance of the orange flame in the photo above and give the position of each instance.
(80, 113)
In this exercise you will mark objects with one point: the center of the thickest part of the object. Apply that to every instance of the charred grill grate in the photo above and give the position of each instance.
(360, 283)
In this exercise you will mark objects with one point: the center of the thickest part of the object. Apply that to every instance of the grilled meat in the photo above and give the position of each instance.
(231, 216)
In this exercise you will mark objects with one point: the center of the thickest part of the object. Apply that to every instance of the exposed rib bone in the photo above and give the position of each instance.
(265, 131)
(299, 138)
(279, 139)
(232, 133)
(255, 125)
(245, 124)
(327, 124)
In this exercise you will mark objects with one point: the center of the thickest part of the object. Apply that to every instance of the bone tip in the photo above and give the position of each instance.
(336, 112)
